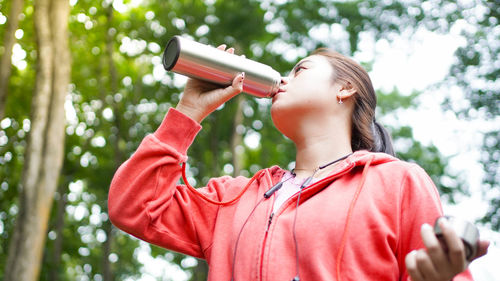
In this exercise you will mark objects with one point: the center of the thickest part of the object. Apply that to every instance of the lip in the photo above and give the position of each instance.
(275, 96)
(280, 90)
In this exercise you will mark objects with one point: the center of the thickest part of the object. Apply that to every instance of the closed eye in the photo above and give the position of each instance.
(300, 66)
(299, 69)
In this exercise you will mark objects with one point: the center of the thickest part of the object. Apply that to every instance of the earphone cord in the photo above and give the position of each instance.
(296, 278)
(257, 175)
(304, 184)
(184, 178)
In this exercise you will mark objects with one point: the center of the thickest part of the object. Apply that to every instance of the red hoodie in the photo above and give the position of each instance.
(358, 223)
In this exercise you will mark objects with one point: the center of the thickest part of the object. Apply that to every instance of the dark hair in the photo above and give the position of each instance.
(367, 134)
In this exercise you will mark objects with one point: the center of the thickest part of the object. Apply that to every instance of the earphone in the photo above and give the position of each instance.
(266, 196)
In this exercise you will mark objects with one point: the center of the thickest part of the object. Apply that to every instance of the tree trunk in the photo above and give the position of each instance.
(5, 62)
(107, 273)
(237, 138)
(45, 148)
(214, 145)
(20, 259)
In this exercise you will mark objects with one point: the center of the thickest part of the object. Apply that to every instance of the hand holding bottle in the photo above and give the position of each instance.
(202, 98)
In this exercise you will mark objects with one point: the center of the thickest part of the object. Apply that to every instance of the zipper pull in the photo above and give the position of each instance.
(270, 220)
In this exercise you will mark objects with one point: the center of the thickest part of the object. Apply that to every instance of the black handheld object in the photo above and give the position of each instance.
(467, 231)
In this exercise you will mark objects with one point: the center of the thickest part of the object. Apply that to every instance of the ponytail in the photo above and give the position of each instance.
(382, 139)
(367, 134)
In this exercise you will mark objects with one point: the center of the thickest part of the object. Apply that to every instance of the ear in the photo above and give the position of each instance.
(346, 91)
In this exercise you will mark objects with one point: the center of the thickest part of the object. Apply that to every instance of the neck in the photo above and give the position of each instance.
(317, 146)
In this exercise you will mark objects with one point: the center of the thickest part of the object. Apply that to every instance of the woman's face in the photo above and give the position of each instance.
(308, 89)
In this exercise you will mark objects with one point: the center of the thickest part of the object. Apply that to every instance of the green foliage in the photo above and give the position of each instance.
(390, 102)
(476, 72)
(409, 149)
(119, 93)
(429, 158)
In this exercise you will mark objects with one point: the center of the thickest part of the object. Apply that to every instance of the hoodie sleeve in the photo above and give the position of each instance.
(420, 203)
(146, 201)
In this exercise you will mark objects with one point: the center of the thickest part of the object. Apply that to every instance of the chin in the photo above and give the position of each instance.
(278, 110)
(285, 118)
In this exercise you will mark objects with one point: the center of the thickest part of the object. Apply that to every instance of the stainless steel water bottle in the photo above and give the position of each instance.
(210, 64)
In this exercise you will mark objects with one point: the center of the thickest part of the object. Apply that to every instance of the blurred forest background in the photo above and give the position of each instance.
(81, 83)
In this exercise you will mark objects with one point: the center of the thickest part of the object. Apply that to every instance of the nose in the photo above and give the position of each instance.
(285, 80)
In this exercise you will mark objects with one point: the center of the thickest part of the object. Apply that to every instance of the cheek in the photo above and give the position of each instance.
(313, 80)
(310, 90)
(318, 92)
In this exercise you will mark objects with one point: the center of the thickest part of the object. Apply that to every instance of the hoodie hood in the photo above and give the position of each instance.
(361, 157)
(357, 159)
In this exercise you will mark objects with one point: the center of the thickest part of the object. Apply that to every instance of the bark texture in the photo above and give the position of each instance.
(237, 137)
(45, 148)
(107, 268)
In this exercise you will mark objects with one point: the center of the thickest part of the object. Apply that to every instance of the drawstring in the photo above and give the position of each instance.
(349, 212)
(349, 216)
(184, 178)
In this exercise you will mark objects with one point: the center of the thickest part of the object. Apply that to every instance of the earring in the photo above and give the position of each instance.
(340, 96)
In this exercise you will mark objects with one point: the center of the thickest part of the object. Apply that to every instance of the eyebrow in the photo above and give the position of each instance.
(300, 64)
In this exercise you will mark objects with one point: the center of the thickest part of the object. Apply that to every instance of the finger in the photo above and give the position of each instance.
(237, 85)
(411, 266)
(434, 249)
(456, 250)
(222, 47)
(482, 248)
(201, 86)
(231, 91)
(425, 266)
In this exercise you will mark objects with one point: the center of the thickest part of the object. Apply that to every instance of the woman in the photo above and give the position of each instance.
(347, 211)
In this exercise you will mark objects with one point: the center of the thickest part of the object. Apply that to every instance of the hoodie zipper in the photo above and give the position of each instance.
(267, 230)
(284, 206)
(270, 221)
